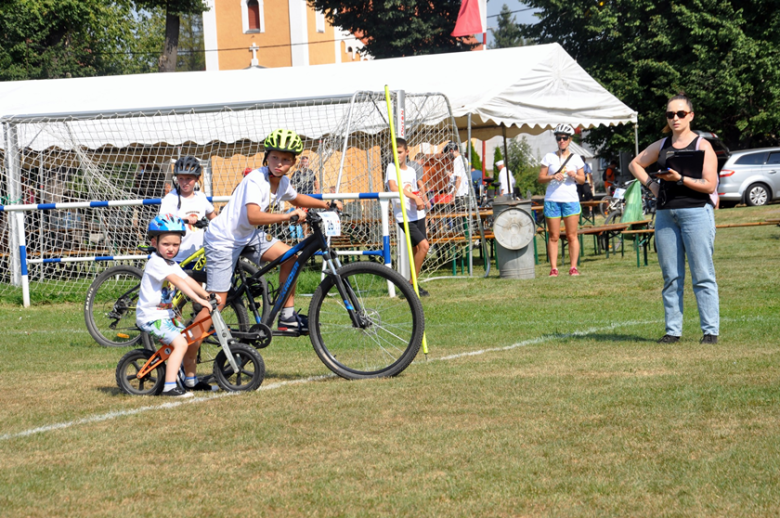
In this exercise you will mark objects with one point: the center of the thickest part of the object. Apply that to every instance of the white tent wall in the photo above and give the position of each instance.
(527, 89)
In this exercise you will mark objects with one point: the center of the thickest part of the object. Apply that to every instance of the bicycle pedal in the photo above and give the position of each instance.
(289, 333)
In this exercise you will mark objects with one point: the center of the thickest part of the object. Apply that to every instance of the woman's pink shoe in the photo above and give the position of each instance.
(554, 272)
(574, 271)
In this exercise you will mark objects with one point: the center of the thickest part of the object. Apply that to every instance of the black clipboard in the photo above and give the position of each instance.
(687, 163)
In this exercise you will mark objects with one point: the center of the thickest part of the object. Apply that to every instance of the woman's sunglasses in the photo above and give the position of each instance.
(558, 138)
(680, 114)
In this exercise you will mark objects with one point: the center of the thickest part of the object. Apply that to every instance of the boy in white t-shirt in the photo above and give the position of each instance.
(154, 311)
(414, 190)
(187, 203)
(236, 227)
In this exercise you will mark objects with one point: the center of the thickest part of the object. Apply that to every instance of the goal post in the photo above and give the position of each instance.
(62, 161)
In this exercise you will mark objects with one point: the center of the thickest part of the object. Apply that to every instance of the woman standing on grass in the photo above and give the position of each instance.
(684, 222)
(562, 170)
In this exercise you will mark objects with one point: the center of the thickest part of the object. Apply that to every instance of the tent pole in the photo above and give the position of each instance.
(470, 197)
(636, 139)
(506, 162)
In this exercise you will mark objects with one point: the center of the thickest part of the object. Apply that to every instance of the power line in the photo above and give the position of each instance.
(195, 51)
(512, 12)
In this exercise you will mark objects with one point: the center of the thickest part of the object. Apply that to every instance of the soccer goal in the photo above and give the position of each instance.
(52, 164)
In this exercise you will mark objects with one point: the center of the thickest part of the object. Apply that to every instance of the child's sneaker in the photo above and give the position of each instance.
(297, 322)
(554, 272)
(574, 271)
(177, 392)
(200, 386)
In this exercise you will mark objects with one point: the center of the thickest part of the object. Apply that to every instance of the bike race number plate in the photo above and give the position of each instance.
(331, 225)
(619, 194)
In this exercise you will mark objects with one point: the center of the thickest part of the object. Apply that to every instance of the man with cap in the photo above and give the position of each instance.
(504, 177)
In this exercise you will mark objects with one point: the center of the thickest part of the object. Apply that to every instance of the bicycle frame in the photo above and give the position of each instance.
(196, 332)
(304, 250)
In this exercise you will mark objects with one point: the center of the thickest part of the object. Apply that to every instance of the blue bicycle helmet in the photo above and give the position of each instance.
(166, 224)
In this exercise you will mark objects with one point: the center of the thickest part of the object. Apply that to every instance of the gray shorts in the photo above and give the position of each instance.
(220, 262)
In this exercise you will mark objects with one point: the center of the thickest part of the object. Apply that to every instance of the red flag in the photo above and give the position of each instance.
(472, 18)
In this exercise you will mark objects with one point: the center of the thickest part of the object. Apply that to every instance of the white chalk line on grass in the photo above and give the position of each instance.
(280, 384)
(164, 406)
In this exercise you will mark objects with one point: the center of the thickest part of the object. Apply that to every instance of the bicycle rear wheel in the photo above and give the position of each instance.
(109, 308)
(394, 325)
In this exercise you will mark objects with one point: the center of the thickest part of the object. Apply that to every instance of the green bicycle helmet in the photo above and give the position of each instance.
(283, 140)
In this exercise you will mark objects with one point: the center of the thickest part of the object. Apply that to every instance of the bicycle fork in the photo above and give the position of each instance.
(346, 292)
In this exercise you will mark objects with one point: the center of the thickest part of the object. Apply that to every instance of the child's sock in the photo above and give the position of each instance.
(169, 385)
(191, 381)
(287, 312)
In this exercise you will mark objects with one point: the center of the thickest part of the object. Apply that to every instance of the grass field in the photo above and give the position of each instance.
(546, 397)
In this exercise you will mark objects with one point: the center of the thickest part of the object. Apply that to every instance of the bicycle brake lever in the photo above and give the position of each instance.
(201, 223)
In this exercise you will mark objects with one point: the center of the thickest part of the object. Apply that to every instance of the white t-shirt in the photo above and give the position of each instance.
(502, 177)
(155, 302)
(565, 191)
(409, 179)
(231, 229)
(197, 204)
(459, 171)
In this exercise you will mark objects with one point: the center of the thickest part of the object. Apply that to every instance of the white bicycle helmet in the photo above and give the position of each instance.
(564, 129)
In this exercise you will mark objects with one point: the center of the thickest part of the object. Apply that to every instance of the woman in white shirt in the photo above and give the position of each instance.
(562, 171)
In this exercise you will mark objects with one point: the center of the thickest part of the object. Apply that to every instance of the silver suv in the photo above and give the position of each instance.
(750, 176)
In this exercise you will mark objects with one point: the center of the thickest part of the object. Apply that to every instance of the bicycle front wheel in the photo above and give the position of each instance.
(109, 309)
(392, 329)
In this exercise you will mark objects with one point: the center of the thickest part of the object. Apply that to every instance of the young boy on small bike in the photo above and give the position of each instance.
(237, 225)
(154, 311)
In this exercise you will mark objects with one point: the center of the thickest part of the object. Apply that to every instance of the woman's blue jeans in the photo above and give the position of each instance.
(680, 233)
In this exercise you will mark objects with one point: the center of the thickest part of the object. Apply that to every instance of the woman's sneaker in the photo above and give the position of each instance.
(177, 392)
(554, 272)
(297, 322)
(574, 271)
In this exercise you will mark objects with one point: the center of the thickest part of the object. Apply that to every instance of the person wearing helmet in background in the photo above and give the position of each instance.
(187, 203)
(236, 227)
(154, 311)
(562, 171)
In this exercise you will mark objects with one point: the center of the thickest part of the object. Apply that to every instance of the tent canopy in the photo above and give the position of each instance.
(527, 89)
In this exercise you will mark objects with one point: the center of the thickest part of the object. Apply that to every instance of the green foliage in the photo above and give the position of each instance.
(508, 33)
(722, 53)
(523, 167)
(497, 155)
(41, 39)
(395, 28)
(175, 7)
(476, 162)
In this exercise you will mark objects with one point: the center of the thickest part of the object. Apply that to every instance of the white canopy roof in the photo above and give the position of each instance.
(528, 89)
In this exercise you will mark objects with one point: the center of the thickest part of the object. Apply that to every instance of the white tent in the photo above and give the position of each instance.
(528, 89)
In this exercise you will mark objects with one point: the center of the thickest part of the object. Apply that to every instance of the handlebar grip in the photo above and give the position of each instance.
(294, 219)
(201, 223)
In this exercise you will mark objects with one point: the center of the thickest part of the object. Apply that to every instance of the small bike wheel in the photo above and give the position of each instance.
(109, 308)
(392, 329)
(127, 371)
(605, 205)
(251, 369)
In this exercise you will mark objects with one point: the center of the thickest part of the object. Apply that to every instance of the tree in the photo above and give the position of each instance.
(42, 39)
(523, 167)
(395, 28)
(173, 10)
(497, 156)
(476, 163)
(508, 33)
(722, 53)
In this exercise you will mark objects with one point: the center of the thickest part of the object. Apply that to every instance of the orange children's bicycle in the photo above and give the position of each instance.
(237, 367)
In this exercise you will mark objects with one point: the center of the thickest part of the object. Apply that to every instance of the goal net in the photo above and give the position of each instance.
(70, 158)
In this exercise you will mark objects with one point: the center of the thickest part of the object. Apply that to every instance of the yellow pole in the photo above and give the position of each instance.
(403, 204)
